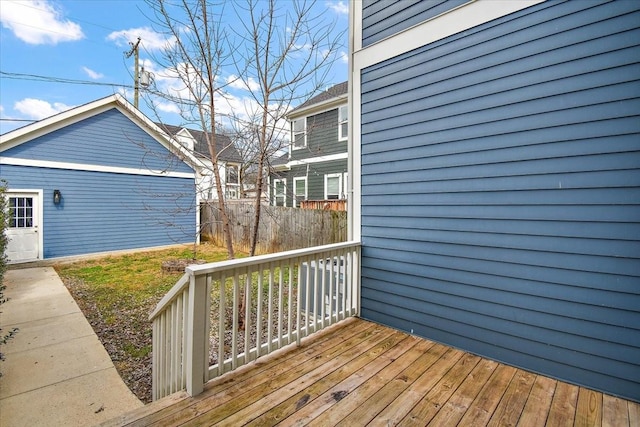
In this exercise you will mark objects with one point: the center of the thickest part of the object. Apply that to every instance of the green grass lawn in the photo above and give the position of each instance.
(117, 294)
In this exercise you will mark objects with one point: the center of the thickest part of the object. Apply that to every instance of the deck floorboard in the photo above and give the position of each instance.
(359, 373)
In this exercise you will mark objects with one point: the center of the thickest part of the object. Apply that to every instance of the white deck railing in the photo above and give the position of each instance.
(280, 298)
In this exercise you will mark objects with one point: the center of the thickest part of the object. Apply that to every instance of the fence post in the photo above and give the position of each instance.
(196, 350)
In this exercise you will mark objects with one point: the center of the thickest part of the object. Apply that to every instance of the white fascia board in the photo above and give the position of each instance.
(461, 18)
(281, 168)
(320, 159)
(91, 168)
(321, 107)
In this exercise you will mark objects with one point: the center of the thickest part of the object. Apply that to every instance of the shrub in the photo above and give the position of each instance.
(4, 213)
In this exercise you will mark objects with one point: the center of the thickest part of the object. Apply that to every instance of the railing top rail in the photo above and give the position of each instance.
(180, 285)
(196, 270)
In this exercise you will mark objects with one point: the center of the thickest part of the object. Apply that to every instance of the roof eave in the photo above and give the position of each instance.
(74, 115)
(318, 108)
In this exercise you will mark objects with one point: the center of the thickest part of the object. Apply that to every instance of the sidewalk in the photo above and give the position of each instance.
(56, 373)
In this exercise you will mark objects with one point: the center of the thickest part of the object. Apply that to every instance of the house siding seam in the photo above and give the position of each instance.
(382, 18)
(108, 139)
(501, 191)
(134, 211)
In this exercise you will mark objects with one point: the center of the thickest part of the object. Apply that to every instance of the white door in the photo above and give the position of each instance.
(24, 228)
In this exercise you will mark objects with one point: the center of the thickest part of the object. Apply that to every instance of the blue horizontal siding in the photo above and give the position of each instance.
(105, 211)
(383, 18)
(106, 139)
(501, 191)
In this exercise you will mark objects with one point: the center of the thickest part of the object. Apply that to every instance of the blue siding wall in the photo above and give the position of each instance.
(501, 192)
(383, 18)
(108, 139)
(105, 211)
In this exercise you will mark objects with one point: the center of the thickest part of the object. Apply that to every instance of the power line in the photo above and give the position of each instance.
(51, 79)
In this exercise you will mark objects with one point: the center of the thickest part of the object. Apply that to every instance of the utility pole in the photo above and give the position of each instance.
(134, 51)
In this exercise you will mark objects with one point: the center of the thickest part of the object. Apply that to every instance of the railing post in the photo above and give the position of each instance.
(196, 331)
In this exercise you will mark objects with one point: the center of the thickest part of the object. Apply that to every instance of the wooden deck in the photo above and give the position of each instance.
(360, 373)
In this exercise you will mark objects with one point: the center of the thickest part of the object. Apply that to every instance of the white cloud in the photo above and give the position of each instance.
(340, 7)
(150, 39)
(237, 83)
(344, 57)
(38, 109)
(168, 107)
(92, 74)
(38, 22)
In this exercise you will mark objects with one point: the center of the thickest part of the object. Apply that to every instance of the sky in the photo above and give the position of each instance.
(58, 54)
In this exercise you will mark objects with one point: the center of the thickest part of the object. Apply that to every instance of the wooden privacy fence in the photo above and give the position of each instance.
(281, 228)
(332, 205)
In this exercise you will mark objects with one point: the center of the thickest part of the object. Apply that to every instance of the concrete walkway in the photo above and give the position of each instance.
(56, 373)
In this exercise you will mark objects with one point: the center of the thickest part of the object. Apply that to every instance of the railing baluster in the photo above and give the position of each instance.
(292, 270)
(154, 357)
(234, 334)
(222, 311)
(259, 312)
(280, 303)
(321, 287)
(182, 357)
(324, 271)
(167, 353)
(270, 311)
(247, 316)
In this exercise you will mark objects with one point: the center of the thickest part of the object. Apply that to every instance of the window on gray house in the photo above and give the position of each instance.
(299, 136)
(343, 123)
(280, 192)
(300, 190)
(332, 186)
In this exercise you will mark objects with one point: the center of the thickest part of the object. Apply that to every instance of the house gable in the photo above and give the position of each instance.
(121, 183)
(106, 139)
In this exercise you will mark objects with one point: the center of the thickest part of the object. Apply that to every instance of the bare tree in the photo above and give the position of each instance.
(195, 56)
(287, 51)
(281, 53)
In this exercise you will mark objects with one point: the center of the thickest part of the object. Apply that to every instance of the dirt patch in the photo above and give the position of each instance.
(178, 265)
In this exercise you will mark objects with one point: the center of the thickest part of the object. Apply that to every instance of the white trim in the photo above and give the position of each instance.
(451, 22)
(91, 168)
(40, 218)
(320, 159)
(13, 161)
(354, 167)
(306, 189)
